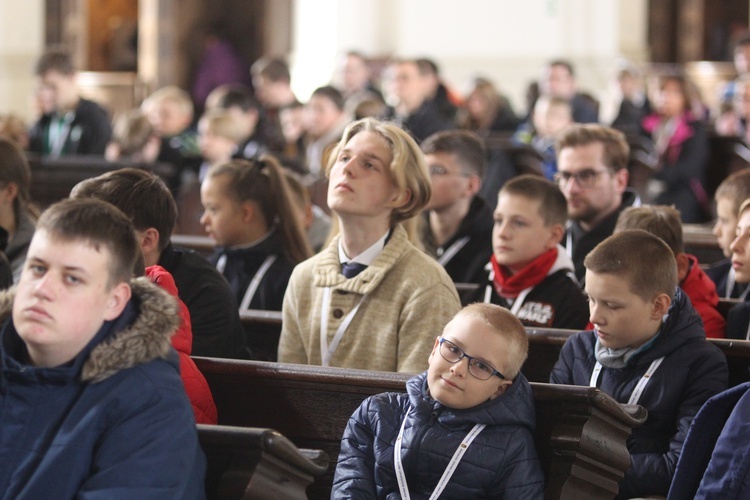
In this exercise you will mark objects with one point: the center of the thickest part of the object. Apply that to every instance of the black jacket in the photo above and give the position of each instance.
(423, 122)
(217, 331)
(693, 370)
(242, 264)
(584, 242)
(89, 131)
(475, 231)
(556, 302)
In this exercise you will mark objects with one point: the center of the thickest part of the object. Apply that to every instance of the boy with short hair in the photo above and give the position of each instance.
(729, 196)
(665, 222)
(74, 125)
(143, 196)
(648, 347)
(91, 401)
(458, 232)
(529, 272)
(398, 443)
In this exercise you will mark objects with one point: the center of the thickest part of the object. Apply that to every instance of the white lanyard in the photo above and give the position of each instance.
(517, 302)
(569, 241)
(326, 351)
(459, 453)
(731, 281)
(255, 282)
(641, 383)
(221, 264)
(452, 250)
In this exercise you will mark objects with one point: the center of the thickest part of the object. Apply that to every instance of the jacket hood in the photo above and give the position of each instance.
(698, 284)
(182, 340)
(513, 407)
(683, 325)
(121, 344)
(563, 261)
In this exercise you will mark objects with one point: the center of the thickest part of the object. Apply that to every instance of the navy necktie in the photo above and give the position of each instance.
(351, 269)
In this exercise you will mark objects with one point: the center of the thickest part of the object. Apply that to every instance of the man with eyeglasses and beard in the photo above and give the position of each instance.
(592, 164)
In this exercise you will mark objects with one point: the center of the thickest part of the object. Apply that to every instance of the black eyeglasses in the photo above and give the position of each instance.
(453, 354)
(585, 178)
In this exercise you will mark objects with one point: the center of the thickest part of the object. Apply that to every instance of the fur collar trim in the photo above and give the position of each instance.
(147, 339)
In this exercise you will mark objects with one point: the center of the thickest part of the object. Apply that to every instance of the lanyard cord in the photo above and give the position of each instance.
(449, 470)
(639, 388)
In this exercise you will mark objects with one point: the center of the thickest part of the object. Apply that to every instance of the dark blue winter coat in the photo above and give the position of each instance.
(693, 370)
(715, 461)
(113, 423)
(501, 462)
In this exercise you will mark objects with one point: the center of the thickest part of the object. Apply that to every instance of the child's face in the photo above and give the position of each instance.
(223, 218)
(725, 228)
(621, 318)
(360, 181)
(451, 383)
(520, 235)
(63, 298)
(215, 149)
(741, 249)
(168, 119)
(449, 183)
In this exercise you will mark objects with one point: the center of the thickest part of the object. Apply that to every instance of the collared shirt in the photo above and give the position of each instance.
(368, 256)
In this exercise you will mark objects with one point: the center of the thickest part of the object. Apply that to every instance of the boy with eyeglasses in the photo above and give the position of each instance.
(458, 229)
(472, 398)
(592, 172)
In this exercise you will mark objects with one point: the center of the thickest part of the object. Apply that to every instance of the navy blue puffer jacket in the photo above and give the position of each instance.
(693, 370)
(501, 462)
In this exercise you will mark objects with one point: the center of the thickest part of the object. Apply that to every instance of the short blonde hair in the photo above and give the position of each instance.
(408, 169)
(508, 326)
(170, 93)
(223, 124)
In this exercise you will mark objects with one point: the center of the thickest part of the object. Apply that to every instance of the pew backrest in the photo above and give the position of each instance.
(581, 432)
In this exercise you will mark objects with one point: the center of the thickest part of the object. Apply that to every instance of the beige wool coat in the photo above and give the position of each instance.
(407, 298)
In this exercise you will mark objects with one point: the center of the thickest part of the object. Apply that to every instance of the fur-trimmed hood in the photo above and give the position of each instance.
(146, 339)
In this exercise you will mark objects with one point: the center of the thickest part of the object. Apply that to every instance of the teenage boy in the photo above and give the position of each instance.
(529, 272)
(91, 401)
(730, 194)
(403, 443)
(74, 126)
(665, 222)
(739, 315)
(143, 196)
(458, 232)
(648, 347)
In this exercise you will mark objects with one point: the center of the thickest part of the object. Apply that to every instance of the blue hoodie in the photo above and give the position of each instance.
(501, 462)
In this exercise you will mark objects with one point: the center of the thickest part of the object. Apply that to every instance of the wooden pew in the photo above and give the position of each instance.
(725, 305)
(545, 346)
(581, 432)
(253, 463)
(698, 240)
(53, 178)
(201, 244)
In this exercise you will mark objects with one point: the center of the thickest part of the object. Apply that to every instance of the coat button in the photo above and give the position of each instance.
(338, 313)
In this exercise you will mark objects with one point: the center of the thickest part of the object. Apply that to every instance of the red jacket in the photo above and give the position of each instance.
(195, 383)
(702, 293)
